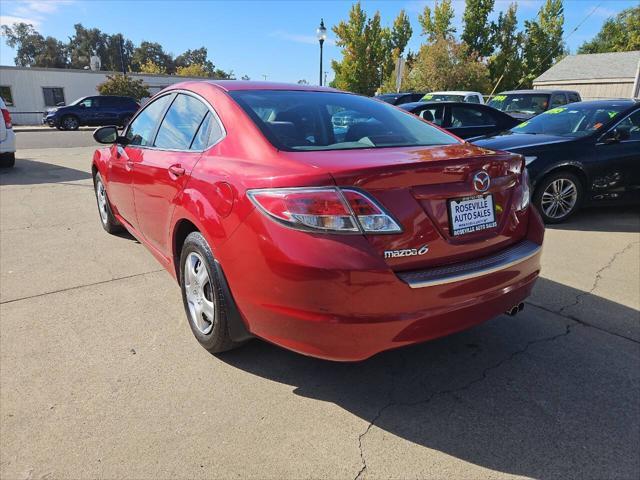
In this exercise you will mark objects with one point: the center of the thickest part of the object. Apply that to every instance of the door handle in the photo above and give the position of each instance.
(176, 171)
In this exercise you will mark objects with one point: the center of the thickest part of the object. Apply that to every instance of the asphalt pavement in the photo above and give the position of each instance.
(100, 376)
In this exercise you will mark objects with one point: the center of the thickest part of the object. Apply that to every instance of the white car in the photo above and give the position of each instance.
(453, 96)
(7, 138)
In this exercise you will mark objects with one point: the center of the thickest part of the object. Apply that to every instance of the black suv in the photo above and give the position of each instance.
(93, 111)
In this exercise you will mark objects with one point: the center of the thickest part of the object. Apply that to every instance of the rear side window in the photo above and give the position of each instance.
(142, 128)
(470, 117)
(558, 99)
(574, 97)
(433, 114)
(181, 123)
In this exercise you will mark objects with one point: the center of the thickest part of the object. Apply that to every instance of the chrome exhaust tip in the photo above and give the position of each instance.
(515, 309)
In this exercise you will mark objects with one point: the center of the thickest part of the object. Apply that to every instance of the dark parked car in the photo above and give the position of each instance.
(463, 119)
(93, 111)
(400, 98)
(586, 153)
(525, 104)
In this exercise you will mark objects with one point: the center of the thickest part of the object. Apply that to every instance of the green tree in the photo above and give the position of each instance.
(448, 65)
(195, 57)
(84, 43)
(125, 86)
(247, 78)
(152, 51)
(477, 30)
(438, 24)
(543, 44)
(505, 65)
(618, 34)
(117, 51)
(365, 49)
(32, 49)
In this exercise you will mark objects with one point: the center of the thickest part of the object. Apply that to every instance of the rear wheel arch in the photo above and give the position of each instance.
(181, 231)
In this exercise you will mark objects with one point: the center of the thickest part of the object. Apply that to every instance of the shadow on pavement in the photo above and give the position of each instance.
(523, 395)
(624, 218)
(32, 172)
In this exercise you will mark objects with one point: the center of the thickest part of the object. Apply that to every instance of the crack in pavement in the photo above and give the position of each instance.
(81, 286)
(597, 278)
(484, 375)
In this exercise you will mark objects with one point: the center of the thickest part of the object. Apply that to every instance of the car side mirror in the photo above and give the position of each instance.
(618, 134)
(109, 135)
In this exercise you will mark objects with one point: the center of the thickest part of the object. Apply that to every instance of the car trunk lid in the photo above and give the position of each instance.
(416, 186)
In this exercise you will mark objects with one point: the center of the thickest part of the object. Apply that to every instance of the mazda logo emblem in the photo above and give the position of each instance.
(481, 181)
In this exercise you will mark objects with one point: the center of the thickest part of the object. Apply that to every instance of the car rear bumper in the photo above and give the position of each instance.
(336, 301)
(8, 143)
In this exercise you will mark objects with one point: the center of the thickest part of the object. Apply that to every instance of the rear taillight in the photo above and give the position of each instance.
(326, 209)
(525, 191)
(7, 118)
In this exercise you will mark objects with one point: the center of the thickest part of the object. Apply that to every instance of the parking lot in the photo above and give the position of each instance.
(100, 375)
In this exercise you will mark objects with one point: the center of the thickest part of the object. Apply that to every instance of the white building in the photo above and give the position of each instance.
(595, 76)
(28, 92)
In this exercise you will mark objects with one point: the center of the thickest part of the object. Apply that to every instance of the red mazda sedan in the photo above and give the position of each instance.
(328, 223)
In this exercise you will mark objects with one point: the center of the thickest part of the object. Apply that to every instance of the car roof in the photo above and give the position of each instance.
(234, 85)
(454, 92)
(625, 102)
(540, 91)
(448, 102)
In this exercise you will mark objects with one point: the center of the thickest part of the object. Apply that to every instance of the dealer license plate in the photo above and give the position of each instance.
(471, 214)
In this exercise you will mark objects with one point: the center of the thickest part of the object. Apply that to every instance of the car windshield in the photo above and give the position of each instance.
(442, 97)
(570, 121)
(528, 103)
(308, 121)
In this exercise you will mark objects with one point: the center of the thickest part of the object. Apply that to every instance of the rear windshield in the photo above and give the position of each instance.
(310, 121)
(528, 103)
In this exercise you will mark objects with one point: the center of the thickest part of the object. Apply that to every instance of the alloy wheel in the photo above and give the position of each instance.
(101, 194)
(559, 198)
(199, 293)
(70, 123)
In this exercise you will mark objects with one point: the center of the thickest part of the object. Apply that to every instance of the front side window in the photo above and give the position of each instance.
(576, 120)
(90, 102)
(632, 123)
(530, 104)
(181, 123)
(308, 121)
(53, 96)
(143, 127)
(5, 93)
(470, 117)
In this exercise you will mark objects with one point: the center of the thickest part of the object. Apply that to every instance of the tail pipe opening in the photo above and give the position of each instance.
(515, 309)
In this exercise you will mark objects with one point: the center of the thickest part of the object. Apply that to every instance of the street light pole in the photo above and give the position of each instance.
(321, 32)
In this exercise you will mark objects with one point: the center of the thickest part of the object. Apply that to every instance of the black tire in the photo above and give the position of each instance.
(546, 184)
(217, 339)
(7, 160)
(107, 219)
(69, 122)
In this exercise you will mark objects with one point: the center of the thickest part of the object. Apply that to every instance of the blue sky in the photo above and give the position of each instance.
(256, 38)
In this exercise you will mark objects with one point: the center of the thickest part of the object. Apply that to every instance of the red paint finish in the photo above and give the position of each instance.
(327, 295)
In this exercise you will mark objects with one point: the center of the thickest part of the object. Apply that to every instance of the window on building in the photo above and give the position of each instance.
(5, 93)
(53, 96)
